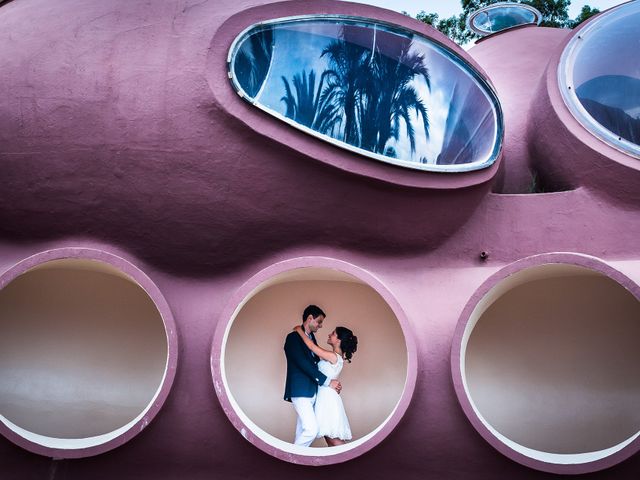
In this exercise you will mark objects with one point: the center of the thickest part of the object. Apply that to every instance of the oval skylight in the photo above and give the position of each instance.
(372, 88)
(600, 80)
(500, 16)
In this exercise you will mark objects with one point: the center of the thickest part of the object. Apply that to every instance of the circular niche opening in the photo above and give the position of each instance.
(548, 365)
(249, 366)
(84, 353)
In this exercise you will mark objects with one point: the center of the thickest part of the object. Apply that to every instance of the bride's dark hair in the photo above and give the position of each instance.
(348, 342)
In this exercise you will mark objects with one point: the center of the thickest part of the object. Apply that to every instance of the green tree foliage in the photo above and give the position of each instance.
(555, 13)
(453, 27)
(586, 13)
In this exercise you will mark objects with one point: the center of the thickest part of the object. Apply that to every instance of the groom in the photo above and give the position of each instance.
(303, 376)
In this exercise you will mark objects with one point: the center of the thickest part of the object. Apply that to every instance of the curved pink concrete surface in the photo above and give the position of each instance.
(159, 301)
(541, 134)
(494, 280)
(246, 291)
(112, 137)
(553, 131)
(138, 95)
(516, 60)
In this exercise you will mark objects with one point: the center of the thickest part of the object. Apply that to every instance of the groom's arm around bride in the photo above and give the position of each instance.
(303, 376)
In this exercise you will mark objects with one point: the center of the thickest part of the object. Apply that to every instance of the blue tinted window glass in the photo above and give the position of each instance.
(601, 76)
(500, 18)
(375, 89)
(252, 61)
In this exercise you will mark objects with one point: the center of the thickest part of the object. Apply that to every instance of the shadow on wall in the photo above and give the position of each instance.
(255, 364)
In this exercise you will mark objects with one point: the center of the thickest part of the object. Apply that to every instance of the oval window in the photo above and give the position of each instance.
(500, 16)
(599, 78)
(372, 88)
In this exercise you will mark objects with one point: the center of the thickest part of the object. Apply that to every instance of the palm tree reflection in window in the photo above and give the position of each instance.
(308, 106)
(382, 91)
(366, 96)
(252, 61)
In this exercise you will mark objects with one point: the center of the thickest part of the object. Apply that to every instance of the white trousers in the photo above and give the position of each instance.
(307, 426)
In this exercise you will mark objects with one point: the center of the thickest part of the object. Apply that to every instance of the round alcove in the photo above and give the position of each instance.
(248, 361)
(545, 363)
(87, 352)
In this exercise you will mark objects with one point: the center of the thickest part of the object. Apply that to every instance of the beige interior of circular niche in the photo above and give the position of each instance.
(253, 360)
(83, 353)
(550, 363)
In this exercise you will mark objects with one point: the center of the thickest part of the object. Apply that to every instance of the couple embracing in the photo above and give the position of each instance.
(312, 379)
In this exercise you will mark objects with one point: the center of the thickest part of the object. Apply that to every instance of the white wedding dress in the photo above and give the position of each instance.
(332, 419)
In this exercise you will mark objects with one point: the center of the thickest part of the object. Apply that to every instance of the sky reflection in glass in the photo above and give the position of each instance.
(379, 90)
(601, 67)
(496, 18)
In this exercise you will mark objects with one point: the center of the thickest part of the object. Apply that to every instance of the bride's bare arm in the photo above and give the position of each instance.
(327, 355)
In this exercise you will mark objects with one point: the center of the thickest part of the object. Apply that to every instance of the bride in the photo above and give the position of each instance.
(333, 424)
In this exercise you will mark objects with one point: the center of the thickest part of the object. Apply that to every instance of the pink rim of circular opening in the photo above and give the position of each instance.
(244, 293)
(143, 281)
(561, 258)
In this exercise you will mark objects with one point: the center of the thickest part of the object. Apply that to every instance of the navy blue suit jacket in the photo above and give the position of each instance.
(303, 376)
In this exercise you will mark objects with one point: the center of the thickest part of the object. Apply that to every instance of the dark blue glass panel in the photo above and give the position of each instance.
(252, 61)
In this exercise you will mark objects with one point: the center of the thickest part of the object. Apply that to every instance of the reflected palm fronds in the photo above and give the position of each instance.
(309, 106)
(365, 97)
(376, 89)
(253, 60)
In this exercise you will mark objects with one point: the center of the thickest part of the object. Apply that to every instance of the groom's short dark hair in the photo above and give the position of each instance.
(313, 310)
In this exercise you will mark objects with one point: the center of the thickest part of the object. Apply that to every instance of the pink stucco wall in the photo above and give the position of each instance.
(119, 132)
